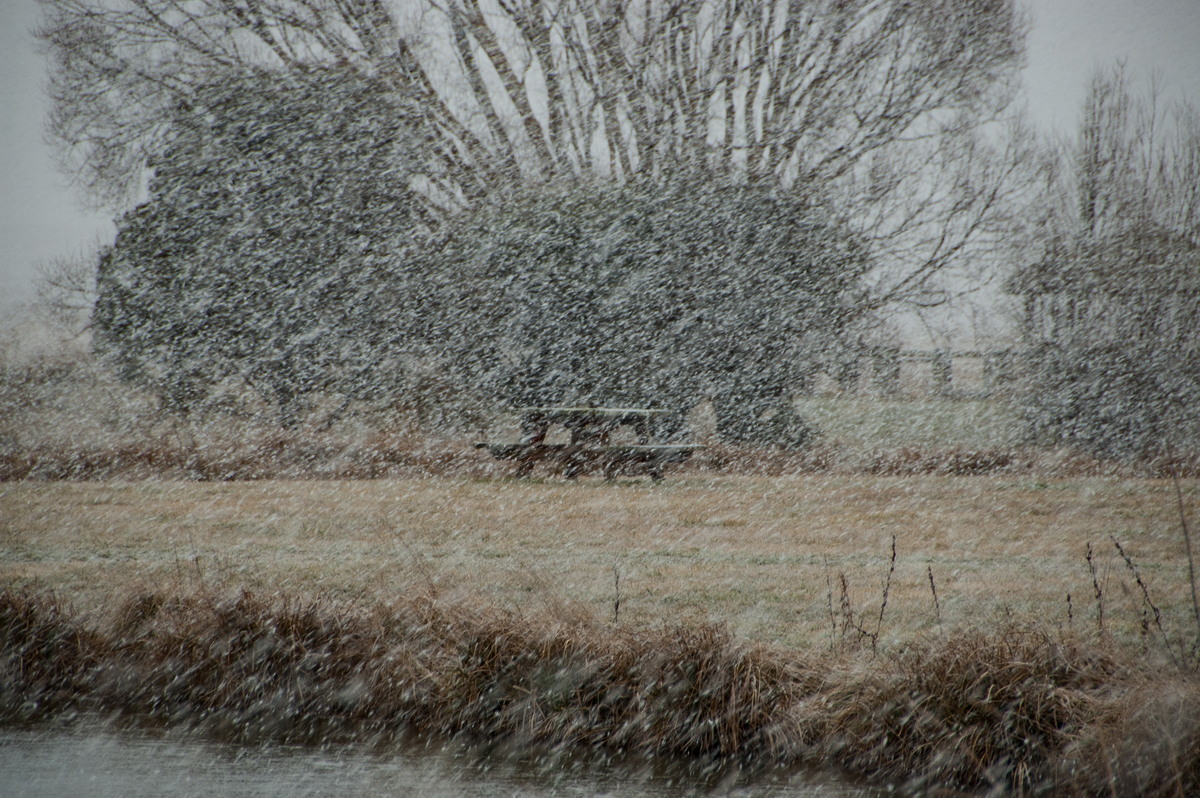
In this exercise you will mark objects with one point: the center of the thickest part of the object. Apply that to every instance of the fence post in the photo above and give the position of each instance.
(941, 368)
(847, 375)
(887, 371)
(999, 372)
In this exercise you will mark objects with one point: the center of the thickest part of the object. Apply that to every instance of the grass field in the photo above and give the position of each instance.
(872, 422)
(765, 555)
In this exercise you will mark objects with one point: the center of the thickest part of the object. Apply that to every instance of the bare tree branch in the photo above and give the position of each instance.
(806, 96)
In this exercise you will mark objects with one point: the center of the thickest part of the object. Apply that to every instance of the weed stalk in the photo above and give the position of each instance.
(887, 586)
(616, 594)
(1147, 601)
(1098, 591)
(937, 606)
(832, 615)
(1187, 543)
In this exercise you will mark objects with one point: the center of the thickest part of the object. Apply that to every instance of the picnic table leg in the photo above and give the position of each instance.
(611, 464)
(573, 461)
(533, 430)
(524, 467)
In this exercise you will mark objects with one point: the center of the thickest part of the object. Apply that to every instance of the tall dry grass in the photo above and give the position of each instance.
(237, 452)
(769, 556)
(1020, 709)
(65, 416)
(252, 454)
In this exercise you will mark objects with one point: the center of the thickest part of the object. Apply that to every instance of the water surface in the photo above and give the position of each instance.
(94, 759)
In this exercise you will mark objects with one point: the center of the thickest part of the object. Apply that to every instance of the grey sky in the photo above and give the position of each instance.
(41, 216)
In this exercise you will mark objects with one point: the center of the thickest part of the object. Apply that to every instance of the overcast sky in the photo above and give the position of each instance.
(41, 216)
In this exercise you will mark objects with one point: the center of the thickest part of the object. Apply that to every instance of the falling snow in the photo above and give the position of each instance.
(916, 388)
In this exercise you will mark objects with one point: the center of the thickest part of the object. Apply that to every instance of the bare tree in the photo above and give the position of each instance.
(1137, 160)
(66, 291)
(884, 106)
(1113, 305)
(120, 67)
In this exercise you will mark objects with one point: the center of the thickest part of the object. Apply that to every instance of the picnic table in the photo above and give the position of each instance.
(590, 431)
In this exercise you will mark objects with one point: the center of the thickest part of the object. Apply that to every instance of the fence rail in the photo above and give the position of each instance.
(940, 373)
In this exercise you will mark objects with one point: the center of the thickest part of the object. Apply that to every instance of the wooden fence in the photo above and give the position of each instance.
(936, 373)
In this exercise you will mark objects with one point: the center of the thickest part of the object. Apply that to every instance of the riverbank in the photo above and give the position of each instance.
(918, 631)
(1018, 707)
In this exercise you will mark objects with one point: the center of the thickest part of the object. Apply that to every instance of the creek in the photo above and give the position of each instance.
(96, 759)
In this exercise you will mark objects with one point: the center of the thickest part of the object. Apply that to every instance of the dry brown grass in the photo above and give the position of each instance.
(46, 654)
(763, 555)
(257, 452)
(1017, 708)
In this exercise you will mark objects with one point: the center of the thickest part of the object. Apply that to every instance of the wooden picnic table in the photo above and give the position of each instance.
(590, 429)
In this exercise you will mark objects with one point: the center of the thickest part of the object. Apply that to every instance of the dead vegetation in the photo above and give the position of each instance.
(370, 601)
(765, 555)
(257, 453)
(1083, 704)
(261, 454)
(1019, 708)
(65, 416)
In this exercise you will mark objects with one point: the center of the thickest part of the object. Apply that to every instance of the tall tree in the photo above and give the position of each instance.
(660, 298)
(1137, 161)
(884, 104)
(1113, 305)
(272, 247)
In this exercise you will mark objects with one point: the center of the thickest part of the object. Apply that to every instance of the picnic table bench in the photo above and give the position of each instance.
(590, 429)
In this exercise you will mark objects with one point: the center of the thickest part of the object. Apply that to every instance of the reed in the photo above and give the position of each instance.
(1019, 708)
(47, 656)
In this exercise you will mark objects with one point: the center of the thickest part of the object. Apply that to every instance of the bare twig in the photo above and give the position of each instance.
(1187, 542)
(937, 607)
(616, 594)
(832, 614)
(887, 586)
(1096, 587)
(846, 607)
(1146, 600)
(849, 621)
